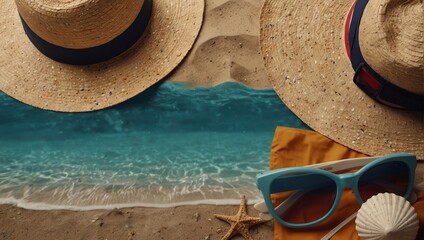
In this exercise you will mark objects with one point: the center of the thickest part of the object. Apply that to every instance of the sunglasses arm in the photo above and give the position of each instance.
(338, 227)
(339, 165)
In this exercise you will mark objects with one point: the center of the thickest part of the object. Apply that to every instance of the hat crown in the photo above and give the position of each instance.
(78, 24)
(391, 41)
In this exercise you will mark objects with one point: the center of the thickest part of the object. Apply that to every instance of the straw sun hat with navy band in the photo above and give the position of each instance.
(351, 70)
(84, 55)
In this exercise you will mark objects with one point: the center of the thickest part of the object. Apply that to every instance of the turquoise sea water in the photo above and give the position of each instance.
(171, 145)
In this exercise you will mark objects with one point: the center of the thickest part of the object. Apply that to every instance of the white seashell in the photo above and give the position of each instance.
(387, 216)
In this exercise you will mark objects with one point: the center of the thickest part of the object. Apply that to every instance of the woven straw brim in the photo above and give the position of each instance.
(28, 76)
(303, 48)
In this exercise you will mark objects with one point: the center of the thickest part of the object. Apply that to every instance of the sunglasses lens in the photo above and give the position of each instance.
(303, 197)
(391, 177)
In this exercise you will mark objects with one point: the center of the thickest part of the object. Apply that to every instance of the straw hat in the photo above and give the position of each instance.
(305, 48)
(105, 51)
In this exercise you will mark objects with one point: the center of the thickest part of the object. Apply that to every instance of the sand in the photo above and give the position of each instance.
(227, 48)
(187, 222)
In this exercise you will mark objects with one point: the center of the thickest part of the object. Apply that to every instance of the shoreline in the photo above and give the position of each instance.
(224, 83)
(38, 206)
(224, 202)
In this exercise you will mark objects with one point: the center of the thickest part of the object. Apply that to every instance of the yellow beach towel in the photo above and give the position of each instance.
(295, 147)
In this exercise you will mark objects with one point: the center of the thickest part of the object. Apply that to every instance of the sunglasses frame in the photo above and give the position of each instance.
(343, 181)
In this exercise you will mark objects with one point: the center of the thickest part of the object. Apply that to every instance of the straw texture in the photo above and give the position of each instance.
(32, 78)
(303, 48)
(392, 38)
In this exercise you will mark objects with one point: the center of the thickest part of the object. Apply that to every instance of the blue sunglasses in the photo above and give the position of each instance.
(301, 197)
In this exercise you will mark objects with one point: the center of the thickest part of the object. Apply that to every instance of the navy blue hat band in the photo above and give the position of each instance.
(389, 93)
(99, 53)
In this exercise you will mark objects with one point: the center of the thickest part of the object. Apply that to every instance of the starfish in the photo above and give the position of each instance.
(241, 222)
